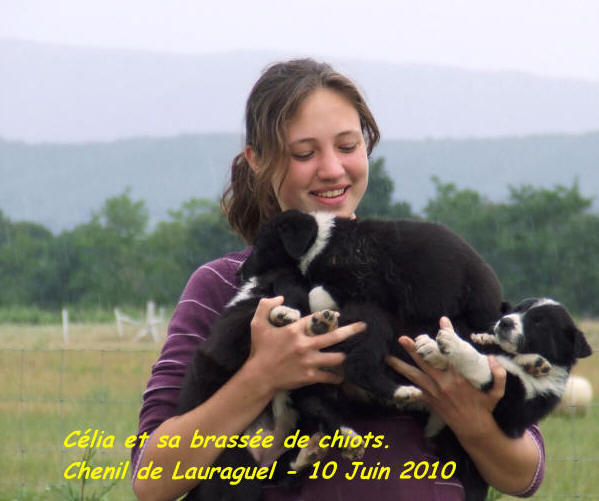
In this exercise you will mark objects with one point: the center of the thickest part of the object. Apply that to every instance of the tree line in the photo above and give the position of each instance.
(541, 242)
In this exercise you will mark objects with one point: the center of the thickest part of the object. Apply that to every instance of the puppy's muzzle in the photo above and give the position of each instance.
(508, 331)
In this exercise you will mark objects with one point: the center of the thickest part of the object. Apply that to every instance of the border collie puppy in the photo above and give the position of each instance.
(399, 277)
(537, 343)
(224, 352)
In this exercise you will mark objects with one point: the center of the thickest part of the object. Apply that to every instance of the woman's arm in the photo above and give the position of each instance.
(280, 358)
(508, 464)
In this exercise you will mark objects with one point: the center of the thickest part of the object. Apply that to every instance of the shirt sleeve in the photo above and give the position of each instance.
(535, 432)
(206, 294)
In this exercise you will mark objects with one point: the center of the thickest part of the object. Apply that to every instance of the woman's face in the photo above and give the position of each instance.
(328, 163)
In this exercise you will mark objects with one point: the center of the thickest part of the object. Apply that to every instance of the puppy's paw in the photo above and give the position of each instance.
(283, 315)
(483, 338)
(428, 349)
(407, 394)
(448, 342)
(354, 451)
(310, 454)
(323, 321)
(535, 365)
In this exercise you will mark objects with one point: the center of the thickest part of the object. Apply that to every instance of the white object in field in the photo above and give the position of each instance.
(65, 326)
(121, 318)
(152, 322)
(150, 327)
(577, 397)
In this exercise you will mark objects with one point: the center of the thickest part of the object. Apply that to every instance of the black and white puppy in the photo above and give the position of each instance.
(537, 343)
(399, 277)
(222, 354)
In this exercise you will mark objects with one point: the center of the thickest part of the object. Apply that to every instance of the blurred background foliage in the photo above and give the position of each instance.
(541, 242)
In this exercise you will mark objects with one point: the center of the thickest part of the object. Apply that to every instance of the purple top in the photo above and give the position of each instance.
(207, 292)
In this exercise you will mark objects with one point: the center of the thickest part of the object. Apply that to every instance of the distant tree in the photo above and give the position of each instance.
(108, 261)
(540, 234)
(196, 233)
(466, 212)
(5, 228)
(23, 254)
(541, 242)
(377, 201)
(122, 217)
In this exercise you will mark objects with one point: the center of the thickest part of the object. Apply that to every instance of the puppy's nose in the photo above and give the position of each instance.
(506, 323)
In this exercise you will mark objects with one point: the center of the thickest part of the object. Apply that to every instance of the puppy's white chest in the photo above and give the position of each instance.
(320, 299)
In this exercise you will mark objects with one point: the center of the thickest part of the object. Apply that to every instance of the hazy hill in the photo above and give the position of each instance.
(59, 185)
(52, 93)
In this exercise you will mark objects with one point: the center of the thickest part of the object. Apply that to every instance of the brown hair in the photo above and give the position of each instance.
(249, 200)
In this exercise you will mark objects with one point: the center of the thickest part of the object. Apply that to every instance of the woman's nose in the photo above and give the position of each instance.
(330, 165)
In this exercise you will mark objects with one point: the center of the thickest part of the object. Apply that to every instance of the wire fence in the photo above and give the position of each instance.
(51, 399)
(49, 395)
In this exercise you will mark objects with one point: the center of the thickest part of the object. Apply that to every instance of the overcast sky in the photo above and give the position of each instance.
(545, 37)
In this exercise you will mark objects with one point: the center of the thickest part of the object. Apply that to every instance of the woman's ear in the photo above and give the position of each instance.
(250, 156)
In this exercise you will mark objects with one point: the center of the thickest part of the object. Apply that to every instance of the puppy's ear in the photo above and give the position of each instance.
(505, 307)
(248, 269)
(581, 347)
(297, 231)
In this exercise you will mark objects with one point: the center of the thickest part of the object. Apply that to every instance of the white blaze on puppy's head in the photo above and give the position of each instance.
(545, 302)
(325, 222)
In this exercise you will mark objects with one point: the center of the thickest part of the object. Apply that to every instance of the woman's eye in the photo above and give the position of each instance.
(348, 148)
(302, 156)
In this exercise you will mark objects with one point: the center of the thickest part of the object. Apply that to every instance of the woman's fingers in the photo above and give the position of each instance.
(262, 312)
(336, 336)
(499, 377)
(414, 374)
(409, 345)
(292, 348)
(327, 377)
(332, 359)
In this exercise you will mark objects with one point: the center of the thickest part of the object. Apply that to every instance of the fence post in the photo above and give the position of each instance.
(119, 321)
(65, 325)
(152, 322)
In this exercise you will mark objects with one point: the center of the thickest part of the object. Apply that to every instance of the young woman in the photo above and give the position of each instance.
(308, 137)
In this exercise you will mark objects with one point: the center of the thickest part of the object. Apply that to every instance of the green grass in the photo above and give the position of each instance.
(33, 315)
(49, 390)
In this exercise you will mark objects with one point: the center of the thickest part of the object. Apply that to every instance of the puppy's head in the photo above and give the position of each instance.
(281, 242)
(545, 327)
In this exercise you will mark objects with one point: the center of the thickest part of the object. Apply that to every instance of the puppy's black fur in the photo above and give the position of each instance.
(412, 273)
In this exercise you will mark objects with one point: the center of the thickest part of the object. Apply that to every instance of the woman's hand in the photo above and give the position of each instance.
(288, 357)
(463, 407)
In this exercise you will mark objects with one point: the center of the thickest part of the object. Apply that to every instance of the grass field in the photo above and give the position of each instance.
(50, 390)
(96, 382)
